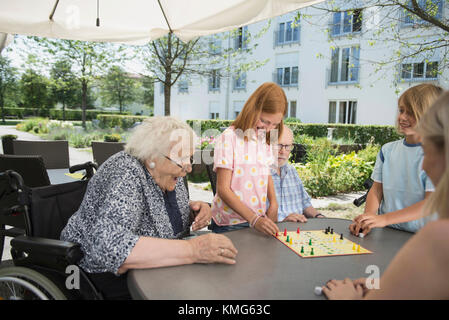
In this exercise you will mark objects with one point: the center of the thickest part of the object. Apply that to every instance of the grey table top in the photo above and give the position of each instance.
(266, 269)
(58, 176)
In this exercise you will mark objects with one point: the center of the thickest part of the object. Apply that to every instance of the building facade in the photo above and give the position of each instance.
(328, 63)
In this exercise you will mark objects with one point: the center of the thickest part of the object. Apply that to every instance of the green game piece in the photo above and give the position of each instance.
(310, 242)
(311, 252)
(288, 239)
(302, 249)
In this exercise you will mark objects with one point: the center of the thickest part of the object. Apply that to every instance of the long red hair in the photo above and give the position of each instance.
(268, 98)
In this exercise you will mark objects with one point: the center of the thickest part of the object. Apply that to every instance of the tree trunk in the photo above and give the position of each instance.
(63, 110)
(3, 108)
(167, 93)
(84, 102)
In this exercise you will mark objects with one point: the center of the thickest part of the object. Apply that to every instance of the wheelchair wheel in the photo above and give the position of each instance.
(18, 283)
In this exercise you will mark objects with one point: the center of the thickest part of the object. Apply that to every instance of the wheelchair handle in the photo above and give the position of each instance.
(88, 166)
(14, 179)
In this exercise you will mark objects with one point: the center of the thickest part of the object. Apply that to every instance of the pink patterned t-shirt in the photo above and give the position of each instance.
(249, 162)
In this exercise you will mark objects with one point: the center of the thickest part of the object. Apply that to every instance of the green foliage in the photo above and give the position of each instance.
(35, 125)
(114, 137)
(121, 121)
(359, 134)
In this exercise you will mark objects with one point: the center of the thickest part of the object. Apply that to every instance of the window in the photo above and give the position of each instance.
(342, 112)
(214, 115)
(215, 45)
(239, 81)
(345, 65)
(292, 109)
(419, 71)
(287, 76)
(241, 38)
(434, 8)
(214, 81)
(214, 110)
(183, 86)
(346, 22)
(288, 32)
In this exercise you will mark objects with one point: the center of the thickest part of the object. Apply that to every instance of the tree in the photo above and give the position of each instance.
(35, 90)
(87, 59)
(7, 81)
(169, 58)
(416, 29)
(117, 87)
(64, 85)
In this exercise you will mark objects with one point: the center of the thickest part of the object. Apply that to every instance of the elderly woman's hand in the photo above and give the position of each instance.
(213, 248)
(203, 214)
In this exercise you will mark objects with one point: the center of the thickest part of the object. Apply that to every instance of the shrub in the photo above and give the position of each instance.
(121, 121)
(112, 137)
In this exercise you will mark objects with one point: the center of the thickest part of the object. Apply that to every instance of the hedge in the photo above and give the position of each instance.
(358, 133)
(54, 114)
(122, 121)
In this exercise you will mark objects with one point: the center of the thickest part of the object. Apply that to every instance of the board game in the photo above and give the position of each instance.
(319, 243)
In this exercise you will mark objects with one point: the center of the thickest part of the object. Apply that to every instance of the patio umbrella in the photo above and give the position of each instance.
(135, 21)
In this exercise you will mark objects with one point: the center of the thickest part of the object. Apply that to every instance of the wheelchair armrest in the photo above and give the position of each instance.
(47, 251)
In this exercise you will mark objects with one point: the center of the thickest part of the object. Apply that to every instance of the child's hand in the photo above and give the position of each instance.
(265, 225)
(356, 226)
(369, 222)
(343, 290)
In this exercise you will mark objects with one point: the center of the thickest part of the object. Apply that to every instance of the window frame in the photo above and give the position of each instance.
(346, 109)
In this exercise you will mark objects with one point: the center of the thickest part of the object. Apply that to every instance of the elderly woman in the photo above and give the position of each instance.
(136, 209)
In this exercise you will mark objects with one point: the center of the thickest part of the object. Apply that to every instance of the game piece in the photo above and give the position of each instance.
(332, 231)
(285, 232)
(277, 235)
(358, 248)
(288, 239)
(361, 235)
(311, 252)
(323, 245)
(325, 231)
(297, 231)
(341, 236)
(334, 239)
(318, 291)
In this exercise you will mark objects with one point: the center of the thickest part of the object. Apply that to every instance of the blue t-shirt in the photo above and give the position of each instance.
(404, 182)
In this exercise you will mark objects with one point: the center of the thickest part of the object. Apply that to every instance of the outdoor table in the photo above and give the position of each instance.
(58, 176)
(266, 269)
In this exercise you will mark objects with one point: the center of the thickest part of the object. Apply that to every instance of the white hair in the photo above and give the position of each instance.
(156, 136)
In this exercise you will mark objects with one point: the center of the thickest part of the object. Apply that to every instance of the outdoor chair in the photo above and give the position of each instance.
(40, 259)
(54, 153)
(212, 177)
(103, 150)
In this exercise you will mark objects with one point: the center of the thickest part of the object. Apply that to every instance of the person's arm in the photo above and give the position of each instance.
(272, 211)
(154, 252)
(202, 214)
(311, 212)
(413, 212)
(224, 191)
(374, 198)
(419, 270)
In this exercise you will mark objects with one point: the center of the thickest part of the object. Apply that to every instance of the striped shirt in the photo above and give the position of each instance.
(290, 192)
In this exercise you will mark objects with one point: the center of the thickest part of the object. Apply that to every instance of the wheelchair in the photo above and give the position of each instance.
(361, 200)
(40, 261)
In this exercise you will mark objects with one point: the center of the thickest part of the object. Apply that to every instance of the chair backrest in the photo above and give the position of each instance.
(103, 150)
(212, 177)
(299, 153)
(54, 153)
(31, 168)
(52, 206)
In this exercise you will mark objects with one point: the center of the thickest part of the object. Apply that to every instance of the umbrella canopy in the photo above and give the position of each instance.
(135, 21)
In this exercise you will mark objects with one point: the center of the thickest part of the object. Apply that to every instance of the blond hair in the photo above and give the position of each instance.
(155, 137)
(434, 127)
(418, 99)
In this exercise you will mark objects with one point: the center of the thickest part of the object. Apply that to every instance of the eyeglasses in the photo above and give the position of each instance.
(287, 147)
(184, 168)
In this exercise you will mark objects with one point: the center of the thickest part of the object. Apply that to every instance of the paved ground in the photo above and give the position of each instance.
(196, 190)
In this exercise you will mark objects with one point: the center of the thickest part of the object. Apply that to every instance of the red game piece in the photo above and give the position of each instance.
(285, 232)
(298, 231)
